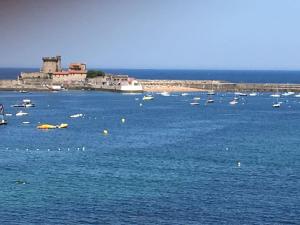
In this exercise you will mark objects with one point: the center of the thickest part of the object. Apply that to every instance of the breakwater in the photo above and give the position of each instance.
(153, 85)
(206, 85)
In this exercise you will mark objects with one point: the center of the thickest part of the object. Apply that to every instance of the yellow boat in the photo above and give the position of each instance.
(46, 126)
(49, 126)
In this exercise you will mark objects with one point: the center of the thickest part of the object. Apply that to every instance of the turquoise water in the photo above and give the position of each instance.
(169, 163)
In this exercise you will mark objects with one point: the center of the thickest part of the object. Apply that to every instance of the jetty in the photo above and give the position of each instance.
(216, 85)
(149, 85)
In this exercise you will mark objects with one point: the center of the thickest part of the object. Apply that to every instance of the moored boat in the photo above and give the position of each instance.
(233, 102)
(26, 103)
(210, 101)
(148, 97)
(253, 94)
(21, 113)
(76, 115)
(276, 105)
(46, 126)
(166, 94)
(288, 93)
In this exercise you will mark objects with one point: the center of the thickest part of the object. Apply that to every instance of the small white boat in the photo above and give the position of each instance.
(21, 113)
(275, 95)
(26, 122)
(148, 97)
(76, 115)
(27, 103)
(297, 95)
(233, 102)
(253, 94)
(196, 98)
(276, 105)
(211, 92)
(166, 94)
(8, 114)
(184, 94)
(210, 101)
(194, 103)
(240, 94)
(56, 88)
(288, 93)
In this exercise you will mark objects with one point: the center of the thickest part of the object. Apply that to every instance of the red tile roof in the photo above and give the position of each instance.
(70, 72)
(61, 73)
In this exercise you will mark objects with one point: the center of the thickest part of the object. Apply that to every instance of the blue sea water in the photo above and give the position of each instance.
(252, 76)
(169, 163)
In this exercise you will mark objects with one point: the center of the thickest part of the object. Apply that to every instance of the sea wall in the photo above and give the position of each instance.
(17, 85)
(206, 85)
(151, 85)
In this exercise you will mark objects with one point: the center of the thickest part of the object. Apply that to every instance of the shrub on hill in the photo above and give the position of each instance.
(95, 73)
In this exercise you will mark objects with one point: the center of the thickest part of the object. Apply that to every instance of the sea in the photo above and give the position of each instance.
(238, 76)
(162, 161)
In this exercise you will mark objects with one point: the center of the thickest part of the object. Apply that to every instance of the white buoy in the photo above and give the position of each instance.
(68, 149)
(83, 148)
(123, 120)
(239, 164)
(141, 104)
(105, 132)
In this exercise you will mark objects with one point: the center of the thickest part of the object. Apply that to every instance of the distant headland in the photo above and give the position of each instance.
(77, 77)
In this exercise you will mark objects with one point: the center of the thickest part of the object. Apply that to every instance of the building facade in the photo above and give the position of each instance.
(76, 73)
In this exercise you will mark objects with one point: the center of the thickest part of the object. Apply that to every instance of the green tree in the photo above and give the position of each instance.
(95, 73)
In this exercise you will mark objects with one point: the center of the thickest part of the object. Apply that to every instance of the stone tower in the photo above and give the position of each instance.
(51, 64)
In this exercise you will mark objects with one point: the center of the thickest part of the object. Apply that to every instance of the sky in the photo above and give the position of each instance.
(152, 34)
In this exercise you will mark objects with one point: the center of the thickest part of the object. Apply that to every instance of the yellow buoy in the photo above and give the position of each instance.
(123, 120)
(105, 132)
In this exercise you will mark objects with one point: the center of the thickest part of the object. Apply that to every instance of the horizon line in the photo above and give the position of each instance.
(190, 69)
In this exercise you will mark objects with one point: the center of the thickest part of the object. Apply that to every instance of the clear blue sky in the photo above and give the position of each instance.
(186, 34)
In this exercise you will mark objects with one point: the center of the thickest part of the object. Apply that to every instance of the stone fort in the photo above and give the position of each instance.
(52, 70)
